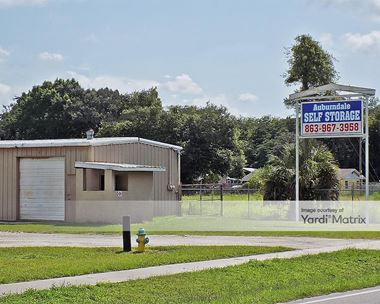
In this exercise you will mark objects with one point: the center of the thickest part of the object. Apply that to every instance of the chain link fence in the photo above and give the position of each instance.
(237, 201)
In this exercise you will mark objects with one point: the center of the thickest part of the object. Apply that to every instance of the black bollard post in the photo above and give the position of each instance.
(127, 233)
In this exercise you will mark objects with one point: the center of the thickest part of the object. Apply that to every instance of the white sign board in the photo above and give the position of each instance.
(332, 119)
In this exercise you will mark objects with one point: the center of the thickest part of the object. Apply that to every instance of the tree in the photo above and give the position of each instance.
(309, 65)
(374, 143)
(209, 135)
(258, 178)
(139, 117)
(318, 176)
(60, 109)
(63, 109)
(210, 138)
(52, 110)
(263, 137)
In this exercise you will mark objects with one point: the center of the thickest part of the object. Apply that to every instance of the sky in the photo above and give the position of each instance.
(228, 52)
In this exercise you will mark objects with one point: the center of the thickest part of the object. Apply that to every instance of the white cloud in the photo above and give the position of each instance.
(53, 57)
(92, 38)
(4, 89)
(247, 97)
(3, 54)
(183, 84)
(82, 68)
(5, 94)
(219, 99)
(123, 84)
(326, 39)
(369, 8)
(363, 42)
(176, 95)
(11, 3)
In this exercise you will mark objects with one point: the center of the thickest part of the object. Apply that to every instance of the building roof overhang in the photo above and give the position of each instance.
(82, 142)
(367, 92)
(118, 167)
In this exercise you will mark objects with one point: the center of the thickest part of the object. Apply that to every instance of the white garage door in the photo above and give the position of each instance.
(42, 189)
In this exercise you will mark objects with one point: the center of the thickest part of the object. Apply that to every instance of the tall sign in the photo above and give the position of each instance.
(336, 118)
(332, 119)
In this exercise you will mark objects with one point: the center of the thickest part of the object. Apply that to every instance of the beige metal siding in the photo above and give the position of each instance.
(145, 154)
(133, 153)
(9, 172)
(8, 182)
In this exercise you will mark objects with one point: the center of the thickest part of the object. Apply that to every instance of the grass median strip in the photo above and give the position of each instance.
(273, 281)
(32, 263)
(61, 228)
(158, 227)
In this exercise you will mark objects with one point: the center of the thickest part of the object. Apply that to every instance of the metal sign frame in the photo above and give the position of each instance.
(317, 94)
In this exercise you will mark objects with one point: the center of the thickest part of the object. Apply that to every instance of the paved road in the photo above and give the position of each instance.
(363, 296)
(9, 239)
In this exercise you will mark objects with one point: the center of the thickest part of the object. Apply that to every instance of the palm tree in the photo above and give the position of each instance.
(318, 175)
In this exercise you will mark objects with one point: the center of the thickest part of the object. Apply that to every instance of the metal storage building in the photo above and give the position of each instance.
(88, 180)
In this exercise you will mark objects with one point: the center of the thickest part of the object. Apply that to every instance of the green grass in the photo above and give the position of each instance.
(32, 263)
(345, 195)
(375, 196)
(236, 208)
(254, 196)
(61, 228)
(187, 225)
(321, 234)
(254, 282)
(263, 211)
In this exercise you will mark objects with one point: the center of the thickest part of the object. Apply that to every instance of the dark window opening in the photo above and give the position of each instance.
(101, 185)
(84, 183)
(121, 181)
(93, 180)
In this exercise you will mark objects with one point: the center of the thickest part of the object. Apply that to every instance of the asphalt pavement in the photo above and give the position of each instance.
(363, 296)
(11, 239)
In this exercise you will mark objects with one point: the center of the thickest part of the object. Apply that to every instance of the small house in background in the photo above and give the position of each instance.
(229, 182)
(247, 177)
(350, 179)
(93, 180)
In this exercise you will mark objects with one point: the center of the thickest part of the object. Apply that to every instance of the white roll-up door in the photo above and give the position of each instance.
(42, 189)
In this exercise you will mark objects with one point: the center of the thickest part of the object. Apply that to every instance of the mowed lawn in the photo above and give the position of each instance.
(252, 195)
(187, 226)
(274, 281)
(32, 263)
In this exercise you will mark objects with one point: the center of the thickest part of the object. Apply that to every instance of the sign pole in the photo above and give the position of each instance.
(323, 118)
(366, 151)
(297, 164)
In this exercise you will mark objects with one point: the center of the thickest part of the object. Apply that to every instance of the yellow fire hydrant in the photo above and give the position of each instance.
(141, 240)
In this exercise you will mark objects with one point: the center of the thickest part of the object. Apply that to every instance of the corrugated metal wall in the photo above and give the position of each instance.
(145, 154)
(133, 153)
(9, 173)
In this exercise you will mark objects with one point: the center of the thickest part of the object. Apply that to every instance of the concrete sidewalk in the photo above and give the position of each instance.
(141, 273)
